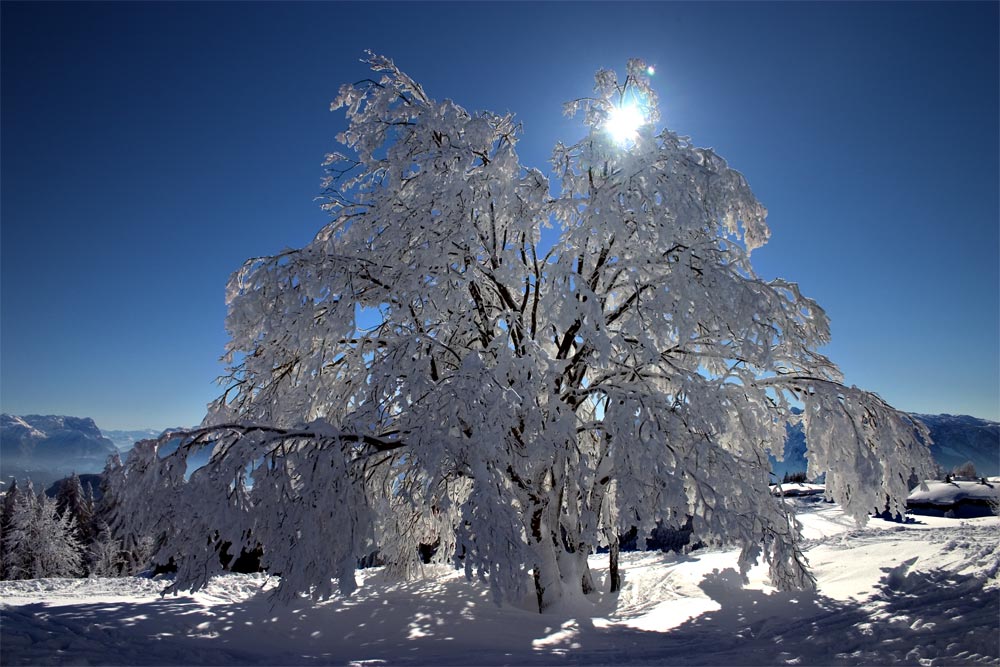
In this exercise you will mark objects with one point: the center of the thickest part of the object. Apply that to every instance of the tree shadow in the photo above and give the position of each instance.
(936, 616)
(921, 617)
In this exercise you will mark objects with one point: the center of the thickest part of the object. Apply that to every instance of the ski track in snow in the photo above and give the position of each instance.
(924, 593)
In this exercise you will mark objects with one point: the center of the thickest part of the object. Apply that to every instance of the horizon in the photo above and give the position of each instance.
(918, 415)
(148, 154)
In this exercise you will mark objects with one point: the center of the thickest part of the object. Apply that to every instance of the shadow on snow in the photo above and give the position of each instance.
(913, 617)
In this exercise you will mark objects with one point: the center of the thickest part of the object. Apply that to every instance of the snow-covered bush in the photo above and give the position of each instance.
(433, 366)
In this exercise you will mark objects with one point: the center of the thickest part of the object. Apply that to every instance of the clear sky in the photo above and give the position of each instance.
(148, 149)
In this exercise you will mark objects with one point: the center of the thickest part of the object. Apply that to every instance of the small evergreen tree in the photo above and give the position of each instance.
(139, 553)
(90, 509)
(7, 507)
(6, 512)
(39, 542)
(106, 558)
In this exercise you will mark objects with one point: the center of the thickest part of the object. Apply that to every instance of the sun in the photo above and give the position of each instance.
(623, 123)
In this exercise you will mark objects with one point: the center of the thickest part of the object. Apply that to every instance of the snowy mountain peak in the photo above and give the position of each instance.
(43, 425)
(15, 424)
(48, 447)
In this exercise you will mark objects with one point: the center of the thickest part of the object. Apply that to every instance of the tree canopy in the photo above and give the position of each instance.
(429, 368)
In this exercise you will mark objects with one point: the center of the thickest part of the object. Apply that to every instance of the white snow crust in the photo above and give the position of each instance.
(922, 593)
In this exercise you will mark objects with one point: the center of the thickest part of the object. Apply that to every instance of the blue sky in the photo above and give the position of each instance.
(148, 149)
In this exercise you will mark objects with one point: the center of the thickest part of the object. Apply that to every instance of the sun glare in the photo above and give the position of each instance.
(623, 123)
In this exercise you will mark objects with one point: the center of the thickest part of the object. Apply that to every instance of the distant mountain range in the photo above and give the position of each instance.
(125, 440)
(47, 448)
(956, 439)
(960, 438)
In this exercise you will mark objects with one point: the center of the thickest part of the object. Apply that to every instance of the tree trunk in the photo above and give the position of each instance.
(587, 580)
(548, 583)
(539, 591)
(613, 574)
(574, 568)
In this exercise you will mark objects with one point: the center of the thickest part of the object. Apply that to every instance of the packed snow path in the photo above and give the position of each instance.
(923, 593)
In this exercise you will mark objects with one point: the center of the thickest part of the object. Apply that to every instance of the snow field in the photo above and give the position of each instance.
(924, 593)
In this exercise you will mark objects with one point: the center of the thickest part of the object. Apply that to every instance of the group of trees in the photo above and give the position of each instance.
(799, 477)
(967, 470)
(67, 535)
(435, 368)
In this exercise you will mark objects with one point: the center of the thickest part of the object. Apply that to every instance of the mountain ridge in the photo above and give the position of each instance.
(48, 447)
(125, 439)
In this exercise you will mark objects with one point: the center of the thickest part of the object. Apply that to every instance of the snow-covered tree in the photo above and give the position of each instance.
(106, 556)
(39, 542)
(71, 497)
(105, 508)
(431, 365)
(6, 513)
(111, 556)
(967, 469)
(9, 499)
(134, 549)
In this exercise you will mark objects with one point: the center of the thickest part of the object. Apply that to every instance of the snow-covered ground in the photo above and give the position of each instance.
(923, 593)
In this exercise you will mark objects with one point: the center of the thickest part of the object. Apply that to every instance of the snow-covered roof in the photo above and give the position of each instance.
(797, 489)
(949, 493)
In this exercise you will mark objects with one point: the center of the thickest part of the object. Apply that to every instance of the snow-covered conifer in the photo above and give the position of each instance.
(107, 505)
(39, 541)
(6, 513)
(72, 498)
(9, 499)
(106, 557)
(430, 363)
(117, 522)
